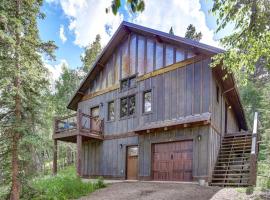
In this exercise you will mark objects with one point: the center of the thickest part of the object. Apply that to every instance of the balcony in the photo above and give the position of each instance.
(67, 128)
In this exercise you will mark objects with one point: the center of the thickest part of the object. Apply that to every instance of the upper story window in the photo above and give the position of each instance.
(217, 93)
(127, 106)
(111, 113)
(147, 101)
(128, 83)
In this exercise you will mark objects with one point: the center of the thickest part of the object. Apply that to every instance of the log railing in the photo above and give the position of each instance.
(254, 152)
(80, 121)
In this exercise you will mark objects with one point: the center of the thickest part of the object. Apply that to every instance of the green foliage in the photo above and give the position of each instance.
(135, 6)
(249, 43)
(192, 34)
(91, 53)
(66, 185)
(23, 85)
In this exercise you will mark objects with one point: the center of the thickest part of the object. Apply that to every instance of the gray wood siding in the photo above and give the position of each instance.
(213, 150)
(200, 149)
(175, 94)
(218, 111)
(137, 55)
(106, 158)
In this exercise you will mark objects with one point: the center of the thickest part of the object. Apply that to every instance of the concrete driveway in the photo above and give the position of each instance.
(153, 191)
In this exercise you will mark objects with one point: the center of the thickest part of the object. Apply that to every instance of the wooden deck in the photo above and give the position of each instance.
(69, 127)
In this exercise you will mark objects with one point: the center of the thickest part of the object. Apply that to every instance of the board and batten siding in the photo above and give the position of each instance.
(200, 149)
(107, 158)
(178, 93)
(218, 111)
(182, 92)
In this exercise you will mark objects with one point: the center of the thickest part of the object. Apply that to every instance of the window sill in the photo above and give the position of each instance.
(147, 113)
(127, 117)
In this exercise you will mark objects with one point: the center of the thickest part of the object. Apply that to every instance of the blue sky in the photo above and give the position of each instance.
(81, 20)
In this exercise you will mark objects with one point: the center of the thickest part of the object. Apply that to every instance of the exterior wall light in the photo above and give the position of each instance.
(199, 137)
(121, 146)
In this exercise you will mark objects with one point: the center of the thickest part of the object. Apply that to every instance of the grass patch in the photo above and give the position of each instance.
(66, 185)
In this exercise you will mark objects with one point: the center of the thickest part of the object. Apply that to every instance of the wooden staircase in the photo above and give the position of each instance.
(233, 163)
(236, 164)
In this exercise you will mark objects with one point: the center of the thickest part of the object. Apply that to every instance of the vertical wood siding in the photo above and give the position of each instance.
(200, 148)
(106, 158)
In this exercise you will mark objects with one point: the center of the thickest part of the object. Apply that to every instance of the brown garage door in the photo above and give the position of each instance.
(173, 161)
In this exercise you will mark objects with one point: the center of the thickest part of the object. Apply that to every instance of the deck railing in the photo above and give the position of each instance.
(80, 121)
(254, 151)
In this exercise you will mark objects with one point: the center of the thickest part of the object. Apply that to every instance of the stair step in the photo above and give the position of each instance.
(229, 179)
(237, 145)
(230, 184)
(238, 136)
(240, 154)
(231, 170)
(236, 141)
(246, 165)
(235, 151)
(245, 158)
(232, 175)
(232, 162)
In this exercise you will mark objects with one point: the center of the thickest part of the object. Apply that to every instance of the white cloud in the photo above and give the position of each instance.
(55, 71)
(62, 33)
(87, 18)
(161, 15)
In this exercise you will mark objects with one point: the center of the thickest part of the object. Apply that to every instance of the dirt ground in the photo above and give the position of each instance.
(165, 191)
(156, 191)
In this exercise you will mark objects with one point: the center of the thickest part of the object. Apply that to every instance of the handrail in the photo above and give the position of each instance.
(82, 122)
(254, 151)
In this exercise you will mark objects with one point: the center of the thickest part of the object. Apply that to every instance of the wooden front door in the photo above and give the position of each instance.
(132, 163)
(95, 118)
(173, 161)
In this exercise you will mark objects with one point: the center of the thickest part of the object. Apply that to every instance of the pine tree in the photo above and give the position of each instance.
(91, 53)
(171, 31)
(23, 78)
(192, 34)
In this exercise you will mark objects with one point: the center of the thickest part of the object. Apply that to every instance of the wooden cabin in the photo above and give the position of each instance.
(152, 108)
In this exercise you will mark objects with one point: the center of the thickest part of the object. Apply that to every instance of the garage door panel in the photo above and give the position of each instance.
(173, 161)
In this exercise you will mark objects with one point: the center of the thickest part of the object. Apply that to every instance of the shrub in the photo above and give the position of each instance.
(66, 185)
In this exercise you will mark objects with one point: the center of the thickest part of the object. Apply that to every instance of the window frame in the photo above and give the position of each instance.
(108, 111)
(143, 101)
(128, 79)
(128, 106)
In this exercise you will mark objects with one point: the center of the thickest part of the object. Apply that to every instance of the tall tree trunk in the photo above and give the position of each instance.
(15, 188)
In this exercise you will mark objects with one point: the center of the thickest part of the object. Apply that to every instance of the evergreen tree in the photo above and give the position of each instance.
(192, 34)
(23, 78)
(91, 53)
(171, 31)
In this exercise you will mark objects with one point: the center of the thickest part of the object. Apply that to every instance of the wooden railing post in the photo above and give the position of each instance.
(254, 152)
(54, 157)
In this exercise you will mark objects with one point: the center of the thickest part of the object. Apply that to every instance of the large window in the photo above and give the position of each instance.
(127, 106)
(111, 113)
(128, 83)
(147, 101)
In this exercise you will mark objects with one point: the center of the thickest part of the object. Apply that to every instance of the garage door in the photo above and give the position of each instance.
(173, 161)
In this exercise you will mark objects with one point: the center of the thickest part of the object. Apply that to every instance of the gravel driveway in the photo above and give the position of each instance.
(153, 191)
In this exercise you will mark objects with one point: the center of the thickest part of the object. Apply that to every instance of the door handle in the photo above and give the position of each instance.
(171, 156)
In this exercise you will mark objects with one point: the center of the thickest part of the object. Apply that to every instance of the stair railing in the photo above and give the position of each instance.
(254, 152)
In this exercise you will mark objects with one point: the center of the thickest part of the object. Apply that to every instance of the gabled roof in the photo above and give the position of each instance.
(125, 29)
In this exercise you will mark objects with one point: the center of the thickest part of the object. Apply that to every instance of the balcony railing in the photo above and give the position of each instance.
(81, 122)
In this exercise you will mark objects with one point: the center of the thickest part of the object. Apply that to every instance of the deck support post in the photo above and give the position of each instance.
(54, 157)
(79, 155)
